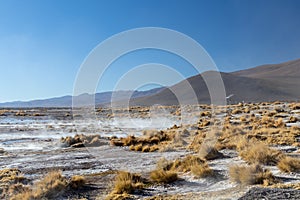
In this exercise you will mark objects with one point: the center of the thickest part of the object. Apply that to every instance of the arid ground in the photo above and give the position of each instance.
(243, 151)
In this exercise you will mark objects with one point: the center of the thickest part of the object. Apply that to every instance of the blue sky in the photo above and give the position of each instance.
(44, 42)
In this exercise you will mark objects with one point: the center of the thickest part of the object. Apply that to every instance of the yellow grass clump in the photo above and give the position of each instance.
(77, 181)
(163, 176)
(251, 174)
(50, 187)
(253, 151)
(81, 140)
(289, 164)
(201, 170)
(125, 184)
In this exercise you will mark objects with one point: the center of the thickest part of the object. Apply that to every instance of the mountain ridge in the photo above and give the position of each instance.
(270, 82)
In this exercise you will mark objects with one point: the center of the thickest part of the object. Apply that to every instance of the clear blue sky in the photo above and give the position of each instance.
(43, 42)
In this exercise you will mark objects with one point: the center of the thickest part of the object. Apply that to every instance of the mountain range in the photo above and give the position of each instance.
(263, 83)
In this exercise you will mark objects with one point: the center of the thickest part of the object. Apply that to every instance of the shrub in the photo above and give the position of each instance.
(185, 164)
(163, 176)
(77, 181)
(50, 186)
(289, 164)
(201, 170)
(126, 182)
(256, 152)
(253, 174)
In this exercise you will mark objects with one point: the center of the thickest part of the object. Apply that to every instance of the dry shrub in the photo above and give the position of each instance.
(146, 148)
(203, 123)
(37, 114)
(154, 140)
(10, 179)
(279, 123)
(185, 164)
(205, 114)
(237, 111)
(295, 186)
(21, 114)
(81, 140)
(253, 151)
(243, 119)
(18, 188)
(126, 182)
(164, 164)
(293, 119)
(249, 175)
(201, 170)
(163, 176)
(138, 147)
(50, 187)
(77, 181)
(10, 176)
(228, 137)
(295, 106)
(209, 153)
(289, 164)
(147, 143)
(190, 163)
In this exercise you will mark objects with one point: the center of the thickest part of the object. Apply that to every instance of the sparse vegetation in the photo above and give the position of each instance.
(254, 132)
(153, 140)
(81, 140)
(49, 187)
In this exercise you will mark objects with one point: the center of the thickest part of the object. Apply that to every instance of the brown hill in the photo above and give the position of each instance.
(284, 76)
(263, 83)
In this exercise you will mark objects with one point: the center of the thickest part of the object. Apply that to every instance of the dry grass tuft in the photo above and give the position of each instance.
(201, 170)
(77, 181)
(163, 176)
(249, 175)
(295, 186)
(209, 153)
(190, 163)
(289, 164)
(153, 140)
(81, 140)
(50, 187)
(126, 183)
(185, 164)
(253, 151)
(10, 179)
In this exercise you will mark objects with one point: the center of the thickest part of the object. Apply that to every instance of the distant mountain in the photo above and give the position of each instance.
(66, 101)
(263, 83)
(285, 77)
